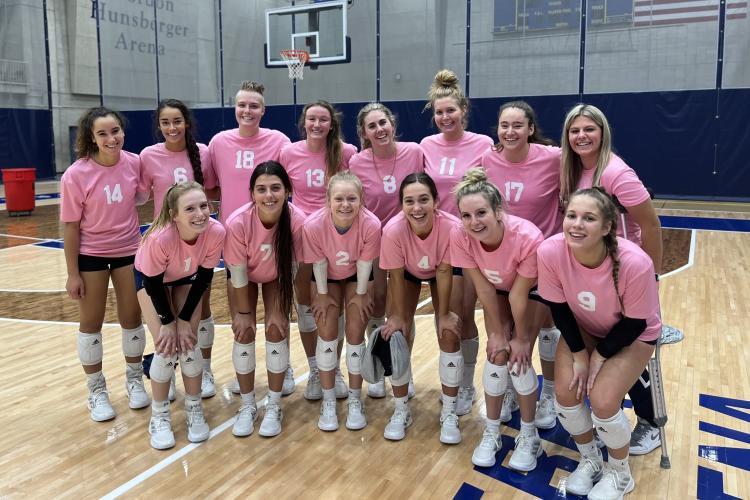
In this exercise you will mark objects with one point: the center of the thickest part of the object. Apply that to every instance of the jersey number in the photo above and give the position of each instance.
(587, 300)
(424, 263)
(450, 163)
(245, 159)
(113, 195)
(513, 186)
(187, 264)
(266, 249)
(389, 184)
(342, 258)
(315, 177)
(180, 175)
(493, 276)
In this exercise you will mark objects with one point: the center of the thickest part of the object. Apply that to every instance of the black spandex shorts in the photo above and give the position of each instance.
(533, 295)
(350, 279)
(410, 277)
(90, 263)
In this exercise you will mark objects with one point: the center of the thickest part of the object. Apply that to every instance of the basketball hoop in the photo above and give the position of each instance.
(295, 61)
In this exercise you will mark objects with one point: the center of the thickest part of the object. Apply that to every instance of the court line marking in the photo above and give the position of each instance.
(26, 237)
(691, 257)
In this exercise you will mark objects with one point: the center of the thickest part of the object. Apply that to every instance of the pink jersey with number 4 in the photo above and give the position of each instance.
(163, 251)
(307, 171)
(233, 159)
(381, 178)
(249, 242)
(103, 200)
(530, 188)
(447, 162)
(342, 251)
(401, 247)
(591, 294)
(619, 180)
(516, 254)
(162, 168)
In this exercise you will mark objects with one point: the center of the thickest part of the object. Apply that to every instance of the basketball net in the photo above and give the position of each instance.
(295, 61)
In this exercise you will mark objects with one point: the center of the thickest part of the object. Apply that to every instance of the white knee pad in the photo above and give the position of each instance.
(206, 333)
(613, 431)
(162, 368)
(526, 383)
(575, 419)
(451, 367)
(354, 353)
(326, 354)
(277, 356)
(342, 327)
(90, 350)
(243, 357)
(305, 319)
(133, 341)
(548, 338)
(404, 379)
(495, 379)
(191, 363)
(470, 348)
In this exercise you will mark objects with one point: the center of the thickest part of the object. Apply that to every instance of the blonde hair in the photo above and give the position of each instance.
(345, 176)
(475, 181)
(362, 115)
(445, 84)
(251, 86)
(169, 206)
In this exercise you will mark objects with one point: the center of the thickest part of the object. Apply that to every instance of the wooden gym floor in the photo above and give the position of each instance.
(50, 447)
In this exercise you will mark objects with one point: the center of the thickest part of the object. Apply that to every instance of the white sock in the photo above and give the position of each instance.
(191, 401)
(620, 466)
(589, 450)
(402, 403)
(206, 364)
(312, 363)
(329, 394)
(159, 407)
(93, 379)
(493, 425)
(528, 428)
(248, 399)
(449, 404)
(355, 393)
(275, 396)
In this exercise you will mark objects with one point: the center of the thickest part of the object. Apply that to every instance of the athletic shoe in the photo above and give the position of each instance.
(411, 392)
(376, 390)
(465, 399)
(313, 389)
(342, 390)
(612, 485)
(355, 415)
(670, 335)
(208, 387)
(172, 388)
(484, 453)
(137, 396)
(196, 423)
(289, 383)
(99, 406)
(243, 423)
(581, 480)
(644, 439)
(160, 429)
(510, 404)
(235, 386)
(546, 416)
(328, 420)
(449, 431)
(528, 449)
(271, 424)
(395, 430)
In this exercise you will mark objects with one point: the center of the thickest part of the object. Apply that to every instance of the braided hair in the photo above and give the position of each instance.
(190, 145)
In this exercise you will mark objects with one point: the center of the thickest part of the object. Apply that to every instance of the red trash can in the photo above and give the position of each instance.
(19, 190)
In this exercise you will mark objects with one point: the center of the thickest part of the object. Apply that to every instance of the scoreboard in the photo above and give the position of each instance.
(518, 16)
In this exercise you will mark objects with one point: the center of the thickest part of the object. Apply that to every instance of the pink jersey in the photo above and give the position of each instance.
(233, 159)
(447, 161)
(401, 247)
(322, 241)
(307, 171)
(162, 168)
(590, 293)
(103, 200)
(382, 180)
(249, 242)
(163, 251)
(621, 181)
(531, 188)
(516, 254)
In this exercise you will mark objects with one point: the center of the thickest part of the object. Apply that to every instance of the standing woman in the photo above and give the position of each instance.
(174, 265)
(264, 241)
(448, 155)
(587, 161)
(181, 159)
(415, 248)
(525, 166)
(341, 240)
(605, 301)
(101, 236)
(498, 253)
(310, 163)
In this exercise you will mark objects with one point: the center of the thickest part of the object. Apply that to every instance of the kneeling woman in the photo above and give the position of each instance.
(605, 302)
(498, 253)
(174, 265)
(263, 239)
(341, 240)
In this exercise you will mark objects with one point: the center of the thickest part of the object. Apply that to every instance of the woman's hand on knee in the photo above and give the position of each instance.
(166, 342)
(449, 324)
(186, 336)
(596, 361)
(364, 305)
(279, 322)
(498, 349)
(520, 355)
(320, 305)
(579, 381)
(243, 327)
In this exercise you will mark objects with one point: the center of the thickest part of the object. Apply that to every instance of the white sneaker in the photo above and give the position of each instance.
(313, 389)
(328, 420)
(196, 423)
(100, 408)
(289, 383)
(612, 485)
(172, 388)
(449, 431)
(243, 423)
(670, 335)
(465, 400)
(235, 386)
(412, 392)
(528, 449)
(137, 396)
(484, 453)
(581, 480)
(395, 430)
(342, 390)
(208, 387)
(546, 416)
(510, 404)
(355, 415)
(160, 429)
(644, 439)
(271, 424)
(376, 390)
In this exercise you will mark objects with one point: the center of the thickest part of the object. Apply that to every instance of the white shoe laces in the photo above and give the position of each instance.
(612, 477)
(328, 409)
(355, 405)
(489, 440)
(208, 377)
(161, 422)
(588, 466)
(524, 443)
(449, 420)
(247, 409)
(195, 414)
(400, 417)
(273, 410)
